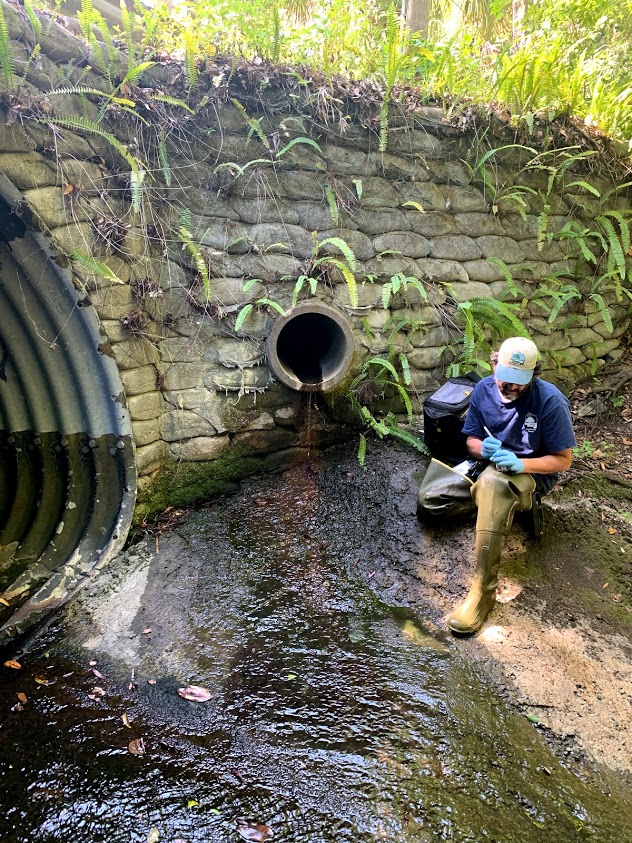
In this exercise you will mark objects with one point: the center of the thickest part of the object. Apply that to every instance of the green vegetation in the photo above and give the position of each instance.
(541, 59)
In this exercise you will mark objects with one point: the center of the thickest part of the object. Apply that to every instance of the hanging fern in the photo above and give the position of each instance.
(82, 124)
(254, 127)
(333, 205)
(6, 59)
(164, 159)
(198, 259)
(616, 242)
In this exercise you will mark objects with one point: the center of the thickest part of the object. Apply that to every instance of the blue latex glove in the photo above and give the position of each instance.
(508, 461)
(490, 446)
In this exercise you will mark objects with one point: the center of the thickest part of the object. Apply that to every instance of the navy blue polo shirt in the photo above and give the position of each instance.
(536, 424)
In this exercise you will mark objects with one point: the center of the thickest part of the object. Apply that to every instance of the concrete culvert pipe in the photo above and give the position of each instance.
(310, 348)
(67, 463)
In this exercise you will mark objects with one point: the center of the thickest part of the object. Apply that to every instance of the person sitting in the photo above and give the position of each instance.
(520, 435)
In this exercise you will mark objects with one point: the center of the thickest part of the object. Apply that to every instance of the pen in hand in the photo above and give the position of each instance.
(489, 433)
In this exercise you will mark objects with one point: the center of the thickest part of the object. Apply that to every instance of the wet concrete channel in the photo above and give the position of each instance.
(336, 712)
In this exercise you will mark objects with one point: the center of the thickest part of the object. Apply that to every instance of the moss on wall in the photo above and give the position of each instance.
(187, 483)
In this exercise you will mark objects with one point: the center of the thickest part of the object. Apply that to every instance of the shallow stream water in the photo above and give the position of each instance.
(334, 715)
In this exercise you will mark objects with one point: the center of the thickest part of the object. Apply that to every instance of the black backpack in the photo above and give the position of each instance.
(444, 415)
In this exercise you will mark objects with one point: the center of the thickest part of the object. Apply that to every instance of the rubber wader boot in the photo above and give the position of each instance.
(498, 496)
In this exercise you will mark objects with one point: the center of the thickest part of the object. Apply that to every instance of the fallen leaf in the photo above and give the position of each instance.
(194, 693)
(605, 585)
(151, 681)
(125, 720)
(12, 663)
(136, 747)
(4, 602)
(192, 803)
(612, 530)
(68, 188)
(97, 673)
(547, 771)
(22, 697)
(532, 718)
(44, 680)
(147, 630)
(252, 831)
(616, 598)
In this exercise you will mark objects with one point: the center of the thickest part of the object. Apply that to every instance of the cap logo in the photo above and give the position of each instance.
(517, 359)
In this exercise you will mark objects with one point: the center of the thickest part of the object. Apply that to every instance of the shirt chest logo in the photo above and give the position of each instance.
(531, 423)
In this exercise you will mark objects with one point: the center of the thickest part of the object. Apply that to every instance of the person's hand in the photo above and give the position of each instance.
(489, 446)
(508, 461)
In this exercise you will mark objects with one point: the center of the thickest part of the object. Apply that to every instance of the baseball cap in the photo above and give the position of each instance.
(517, 357)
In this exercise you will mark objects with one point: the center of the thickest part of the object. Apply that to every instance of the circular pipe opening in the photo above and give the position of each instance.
(311, 347)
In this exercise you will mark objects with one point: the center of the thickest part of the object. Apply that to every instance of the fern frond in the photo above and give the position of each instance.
(294, 141)
(128, 19)
(131, 77)
(349, 277)
(509, 280)
(616, 255)
(198, 258)
(344, 247)
(362, 450)
(136, 187)
(383, 363)
(171, 101)
(253, 123)
(333, 205)
(243, 314)
(603, 310)
(82, 124)
(163, 157)
(83, 91)
(35, 22)
(95, 266)
(190, 59)
(403, 361)
(6, 59)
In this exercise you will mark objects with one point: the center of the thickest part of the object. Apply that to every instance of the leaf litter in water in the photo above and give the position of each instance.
(194, 693)
(253, 831)
(12, 663)
(136, 747)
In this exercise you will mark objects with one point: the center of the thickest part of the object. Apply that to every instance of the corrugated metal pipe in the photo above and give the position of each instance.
(67, 467)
